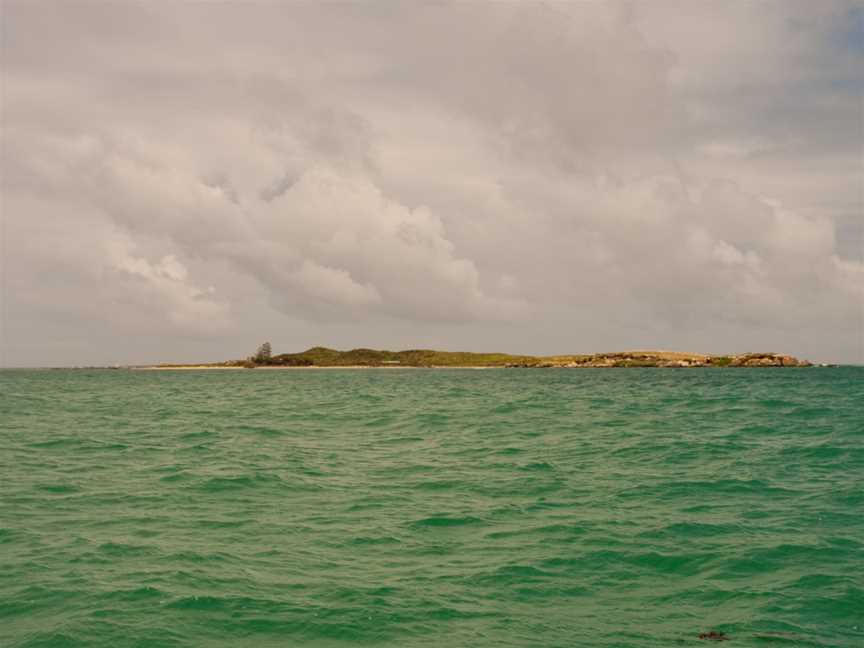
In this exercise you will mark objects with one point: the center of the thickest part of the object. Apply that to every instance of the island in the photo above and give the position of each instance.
(322, 357)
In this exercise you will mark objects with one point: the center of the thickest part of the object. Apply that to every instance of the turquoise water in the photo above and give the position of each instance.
(634, 507)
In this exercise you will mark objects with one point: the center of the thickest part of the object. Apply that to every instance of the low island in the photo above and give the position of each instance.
(322, 357)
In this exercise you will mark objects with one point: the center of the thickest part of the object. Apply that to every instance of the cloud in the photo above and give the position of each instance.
(333, 285)
(304, 244)
(403, 256)
(164, 286)
(580, 176)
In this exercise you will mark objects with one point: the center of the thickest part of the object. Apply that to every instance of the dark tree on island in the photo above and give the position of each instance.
(263, 355)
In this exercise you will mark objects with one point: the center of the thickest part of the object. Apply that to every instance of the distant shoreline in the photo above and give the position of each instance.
(363, 358)
(311, 367)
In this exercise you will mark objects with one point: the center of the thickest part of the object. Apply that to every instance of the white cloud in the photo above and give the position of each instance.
(333, 285)
(672, 175)
(164, 286)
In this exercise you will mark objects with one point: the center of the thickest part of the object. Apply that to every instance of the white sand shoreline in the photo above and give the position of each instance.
(312, 367)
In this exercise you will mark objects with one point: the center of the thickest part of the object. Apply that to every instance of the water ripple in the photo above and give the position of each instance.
(631, 508)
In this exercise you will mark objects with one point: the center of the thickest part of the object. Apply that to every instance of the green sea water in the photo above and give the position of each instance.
(633, 507)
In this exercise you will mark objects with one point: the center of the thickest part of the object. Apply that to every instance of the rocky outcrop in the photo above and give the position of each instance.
(763, 360)
(663, 359)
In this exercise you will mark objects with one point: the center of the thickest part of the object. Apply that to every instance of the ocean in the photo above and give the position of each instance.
(408, 508)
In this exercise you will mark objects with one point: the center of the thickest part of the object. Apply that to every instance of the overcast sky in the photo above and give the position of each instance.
(183, 181)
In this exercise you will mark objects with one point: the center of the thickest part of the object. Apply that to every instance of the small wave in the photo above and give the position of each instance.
(510, 450)
(65, 442)
(223, 524)
(440, 485)
(785, 638)
(203, 603)
(431, 420)
(120, 549)
(53, 640)
(399, 440)
(198, 434)
(263, 430)
(776, 403)
(806, 413)
(132, 595)
(58, 489)
(194, 557)
(367, 540)
(218, 484)
(553, 592)
(511, 574)
(691, 530)
(542, 531)
(206, 602)
(444, 522)
(176, 477)
(240, 482)
(380, 422)
(537, 466)
(701, 487)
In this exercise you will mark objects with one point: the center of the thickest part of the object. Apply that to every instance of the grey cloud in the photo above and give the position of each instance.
(541, 178)
(278, 187)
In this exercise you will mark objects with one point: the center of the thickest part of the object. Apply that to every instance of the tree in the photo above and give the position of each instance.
(263, 355)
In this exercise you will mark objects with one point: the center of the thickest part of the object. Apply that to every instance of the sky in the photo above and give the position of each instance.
(182, 181)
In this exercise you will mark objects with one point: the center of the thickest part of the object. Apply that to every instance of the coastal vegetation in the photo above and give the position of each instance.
(363, 357)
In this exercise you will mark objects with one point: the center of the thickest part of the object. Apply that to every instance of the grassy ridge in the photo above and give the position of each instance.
(324, 357)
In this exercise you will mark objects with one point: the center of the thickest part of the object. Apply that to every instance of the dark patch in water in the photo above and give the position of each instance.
(439, 521)
(58, 489)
